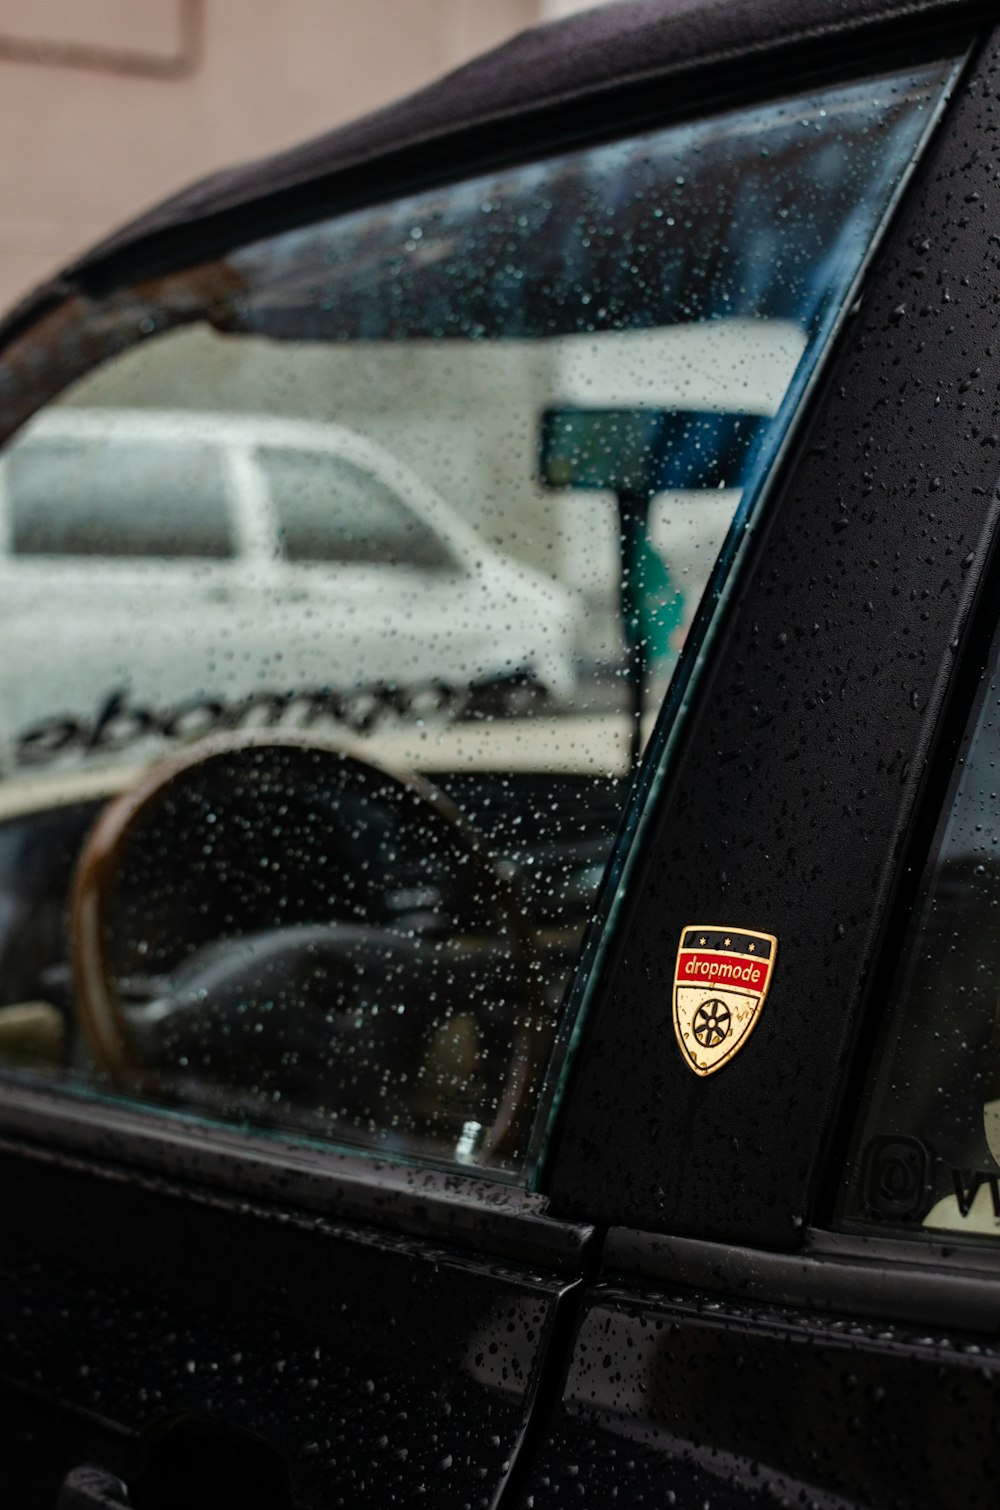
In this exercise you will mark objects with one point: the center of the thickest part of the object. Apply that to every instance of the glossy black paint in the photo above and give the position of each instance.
(461, 1211)
(375, 1368)
(790, 801)
(681, 1398)
(939, 1285)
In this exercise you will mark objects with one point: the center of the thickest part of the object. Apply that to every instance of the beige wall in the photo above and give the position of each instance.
(107, 105)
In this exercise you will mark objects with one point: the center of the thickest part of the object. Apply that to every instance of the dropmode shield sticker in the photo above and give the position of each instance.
(721, 981)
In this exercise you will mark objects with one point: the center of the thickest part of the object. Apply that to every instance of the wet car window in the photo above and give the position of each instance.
(927, 1154)
(310, 839)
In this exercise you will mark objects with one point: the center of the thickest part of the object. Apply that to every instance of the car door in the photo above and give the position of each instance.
(798, 1291)
(309, 1106)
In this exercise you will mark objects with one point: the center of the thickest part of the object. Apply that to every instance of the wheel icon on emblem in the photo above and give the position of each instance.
(712, 1023)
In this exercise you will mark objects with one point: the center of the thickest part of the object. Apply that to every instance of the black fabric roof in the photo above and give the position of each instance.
(574, 60)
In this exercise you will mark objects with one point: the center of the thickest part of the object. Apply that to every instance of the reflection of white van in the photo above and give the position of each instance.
(157, 566)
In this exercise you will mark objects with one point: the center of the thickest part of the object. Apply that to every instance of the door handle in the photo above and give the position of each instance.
(91, 1487)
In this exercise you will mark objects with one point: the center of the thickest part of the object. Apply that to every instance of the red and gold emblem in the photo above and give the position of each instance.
(720, 984)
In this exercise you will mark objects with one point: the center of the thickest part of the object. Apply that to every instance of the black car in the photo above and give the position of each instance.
(471, 1091)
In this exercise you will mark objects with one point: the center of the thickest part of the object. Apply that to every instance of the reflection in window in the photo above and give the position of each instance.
(329, 509)
(354, 913)
(117, 497)
(928, 1155)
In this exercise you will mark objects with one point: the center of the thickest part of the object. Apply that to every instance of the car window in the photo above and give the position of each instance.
(927, 1154)
(321, 855)
(328, 508)
(116, 497)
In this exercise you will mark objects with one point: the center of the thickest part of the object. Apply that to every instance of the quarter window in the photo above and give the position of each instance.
(927, 1154)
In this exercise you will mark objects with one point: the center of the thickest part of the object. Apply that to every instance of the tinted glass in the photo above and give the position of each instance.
(355, 911)
(927, 1157)
(114, 497)
(330, 509)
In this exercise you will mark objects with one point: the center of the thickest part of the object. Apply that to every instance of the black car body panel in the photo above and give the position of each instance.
(681, 1398)
(665, 1318)
(354, 1355)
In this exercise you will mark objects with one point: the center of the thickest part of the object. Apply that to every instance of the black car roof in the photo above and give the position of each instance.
(583, 59)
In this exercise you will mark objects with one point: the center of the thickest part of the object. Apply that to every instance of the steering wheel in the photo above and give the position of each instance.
(264, 902)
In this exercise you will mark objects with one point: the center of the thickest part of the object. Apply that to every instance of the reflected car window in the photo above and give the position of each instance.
(311, 839)
(329, 509)
(110, 496)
